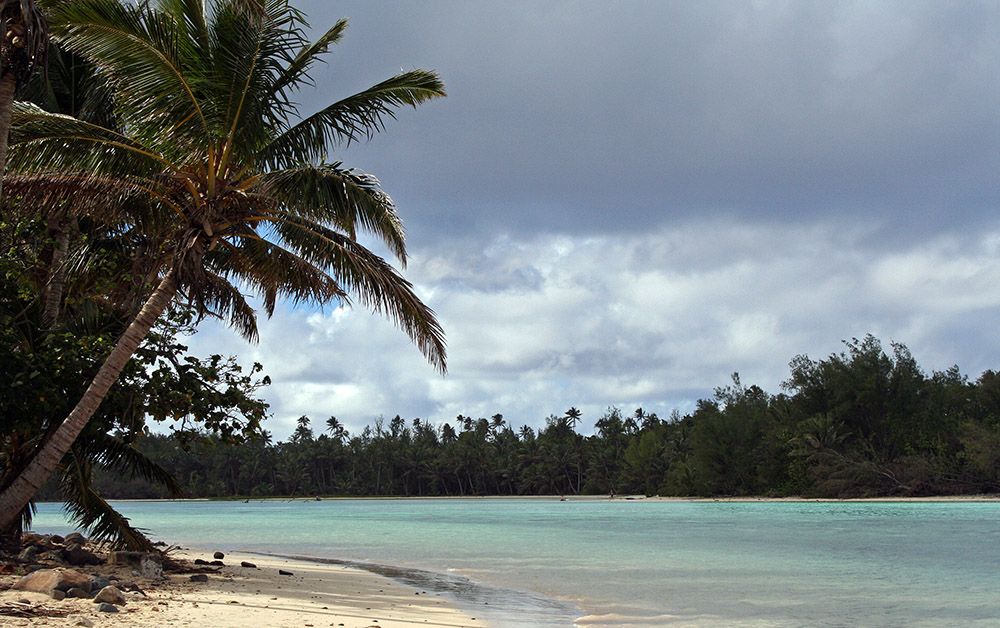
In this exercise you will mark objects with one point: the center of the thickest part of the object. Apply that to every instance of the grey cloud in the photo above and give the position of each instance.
(596, 117)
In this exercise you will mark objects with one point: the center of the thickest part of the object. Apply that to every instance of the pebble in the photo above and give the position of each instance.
(107, 608)
(199, 577)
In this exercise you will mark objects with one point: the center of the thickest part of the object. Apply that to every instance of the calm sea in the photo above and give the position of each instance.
(552, 563)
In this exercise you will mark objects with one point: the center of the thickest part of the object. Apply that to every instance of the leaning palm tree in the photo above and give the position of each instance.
(214, 162)
(23, 42)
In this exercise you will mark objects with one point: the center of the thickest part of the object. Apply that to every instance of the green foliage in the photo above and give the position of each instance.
(860, 423)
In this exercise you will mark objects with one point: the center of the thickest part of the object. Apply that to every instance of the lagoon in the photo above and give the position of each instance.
(523, 562)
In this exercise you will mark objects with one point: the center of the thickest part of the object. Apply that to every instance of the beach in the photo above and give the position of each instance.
(314, 595)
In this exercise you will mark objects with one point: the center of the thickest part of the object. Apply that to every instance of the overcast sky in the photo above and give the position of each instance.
(622, 203)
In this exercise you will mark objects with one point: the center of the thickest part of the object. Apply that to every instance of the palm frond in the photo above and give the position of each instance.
(296, 74)
(371, 279)
(148, 57)
(115, 454)
(221, 299)
(355, 117)
(344, 198)
(50, 142)
(274, 271)
(85, 506)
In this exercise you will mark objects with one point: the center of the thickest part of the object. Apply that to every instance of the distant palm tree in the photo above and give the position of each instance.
(573, 417)
(336, 429)
(233, 186)
(24, 42)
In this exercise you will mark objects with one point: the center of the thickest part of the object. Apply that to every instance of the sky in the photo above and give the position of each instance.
(623, 203)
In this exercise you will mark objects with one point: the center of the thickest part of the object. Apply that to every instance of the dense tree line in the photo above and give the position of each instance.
(865, 422)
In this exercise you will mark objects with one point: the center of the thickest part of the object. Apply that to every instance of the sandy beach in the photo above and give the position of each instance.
(315, 595)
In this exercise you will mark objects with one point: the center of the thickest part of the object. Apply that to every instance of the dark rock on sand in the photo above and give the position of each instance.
(107, 608)
(200, 561)
(199, 577)
(282, 572)
(247, 565)
(218, 556)
(79, 593)
(75, 555)
(217, 563)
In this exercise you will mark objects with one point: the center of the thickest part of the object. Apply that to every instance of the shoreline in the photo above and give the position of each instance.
(309, 594)
(580, 498)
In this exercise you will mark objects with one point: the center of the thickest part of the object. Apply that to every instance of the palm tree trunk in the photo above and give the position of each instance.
(8, 84)
(57, 276)
(16, 496)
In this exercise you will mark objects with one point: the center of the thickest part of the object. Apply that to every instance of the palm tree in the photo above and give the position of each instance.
(24, 42)
(336, 429)
(573, 417)
(214, 162)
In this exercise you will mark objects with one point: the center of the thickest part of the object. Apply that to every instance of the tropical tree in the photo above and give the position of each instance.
(214, 162)
(23, 44)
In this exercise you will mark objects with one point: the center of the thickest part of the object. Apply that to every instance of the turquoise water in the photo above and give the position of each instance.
(541, 562)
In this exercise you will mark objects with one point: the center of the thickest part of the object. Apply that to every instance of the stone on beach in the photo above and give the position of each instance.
(47, 580)
(199, 577)
(218, 556)
(107, 608)
(285, 573)
(248, 565)
(110, 594)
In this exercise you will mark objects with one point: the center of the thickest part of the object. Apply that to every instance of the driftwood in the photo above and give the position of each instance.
(28, 611)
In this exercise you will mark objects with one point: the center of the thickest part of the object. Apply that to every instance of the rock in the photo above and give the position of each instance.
(86, 623)
(107, 608)
(55, 538)
(79, 593)
(217, 563)
(200, 561)
(45, 580)
(148, 565)
(218, 556)
(111, 595)
(282, 572)
(28, 554)
(199, 577)
(57, 595)
(75, 537)
(29, 538)
(247, 565)
(98, 582)
(75, 555)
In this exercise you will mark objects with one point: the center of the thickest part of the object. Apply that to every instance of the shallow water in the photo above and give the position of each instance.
(548, 563)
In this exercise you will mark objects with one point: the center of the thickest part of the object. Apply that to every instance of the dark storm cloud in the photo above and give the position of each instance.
(616, 117)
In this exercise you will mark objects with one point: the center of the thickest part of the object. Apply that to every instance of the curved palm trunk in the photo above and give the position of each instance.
(16, 496)
(8, 84)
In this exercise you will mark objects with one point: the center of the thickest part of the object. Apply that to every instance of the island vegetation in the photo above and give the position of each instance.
(862, 423)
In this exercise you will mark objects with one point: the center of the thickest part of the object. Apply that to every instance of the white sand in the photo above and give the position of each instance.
(316, 595)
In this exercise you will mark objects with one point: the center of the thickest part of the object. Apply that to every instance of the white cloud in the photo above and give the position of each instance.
(656, 320)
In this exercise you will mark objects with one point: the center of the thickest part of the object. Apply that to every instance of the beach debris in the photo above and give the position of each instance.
(199, 577)
(282, 572)
(107, 608)
(149, 565)
(28, 611)
(48, 580)
(110, 594)
(218, 556)
(248, 565)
